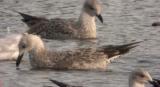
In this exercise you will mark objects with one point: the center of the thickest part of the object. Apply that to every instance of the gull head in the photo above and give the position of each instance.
(27, 43)
(93, 8)
(139, 77)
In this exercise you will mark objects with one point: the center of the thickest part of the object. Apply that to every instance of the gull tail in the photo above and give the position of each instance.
(27, 18)
(30, 20)
(156, 24)
(60, 84)
(114, 51)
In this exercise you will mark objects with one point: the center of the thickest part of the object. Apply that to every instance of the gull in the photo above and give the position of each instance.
(88, 58)
(137, 78)
(58, 28)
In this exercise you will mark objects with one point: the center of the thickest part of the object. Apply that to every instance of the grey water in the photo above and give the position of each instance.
(124, 21)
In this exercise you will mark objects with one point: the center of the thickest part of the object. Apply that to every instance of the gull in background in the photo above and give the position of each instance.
(58, 28)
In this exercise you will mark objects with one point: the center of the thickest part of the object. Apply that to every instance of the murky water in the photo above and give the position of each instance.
(124, 21)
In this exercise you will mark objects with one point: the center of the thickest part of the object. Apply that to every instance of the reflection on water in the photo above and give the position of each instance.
(124, 21)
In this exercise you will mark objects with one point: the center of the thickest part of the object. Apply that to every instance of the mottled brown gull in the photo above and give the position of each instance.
(58, 28)
(137, 78)
(80, 58)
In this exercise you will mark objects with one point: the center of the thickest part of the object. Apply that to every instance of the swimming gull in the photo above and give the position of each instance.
(139, 77)
(80, 58)
(58, 28)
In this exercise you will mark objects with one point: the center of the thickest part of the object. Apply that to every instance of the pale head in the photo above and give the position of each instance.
(30, 41)
(93, 8)
(27, 43)
(139, 77)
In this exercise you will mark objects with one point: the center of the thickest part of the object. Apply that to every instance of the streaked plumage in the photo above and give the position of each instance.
(80, 58)
(58, 28)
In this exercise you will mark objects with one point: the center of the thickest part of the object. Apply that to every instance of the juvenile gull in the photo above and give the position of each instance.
(80, 58)
(58, 28)
(137, 78)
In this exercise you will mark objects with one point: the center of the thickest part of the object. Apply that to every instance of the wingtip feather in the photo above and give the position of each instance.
(60, 84)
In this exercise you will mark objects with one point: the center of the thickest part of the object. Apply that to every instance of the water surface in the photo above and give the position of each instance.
(124, 21)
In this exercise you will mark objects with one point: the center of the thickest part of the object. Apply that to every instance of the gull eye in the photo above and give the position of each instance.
(142, 75)
(23, 46)
(89, 6)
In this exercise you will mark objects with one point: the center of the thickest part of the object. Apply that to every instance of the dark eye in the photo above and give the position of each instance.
(89, 6)
(22, 46)
(142, 75)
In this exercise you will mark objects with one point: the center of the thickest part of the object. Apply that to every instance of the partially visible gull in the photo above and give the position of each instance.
(139, 77)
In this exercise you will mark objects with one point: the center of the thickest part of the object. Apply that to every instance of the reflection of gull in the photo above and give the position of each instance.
(137, 78)
(58, 28)
(80, 58)
(8, 47)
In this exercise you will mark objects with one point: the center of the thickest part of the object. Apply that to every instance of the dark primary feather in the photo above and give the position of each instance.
(156, 24)
(62, 84)
(31, 20)
(155, 83)
(27, 17)
(113, 50)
